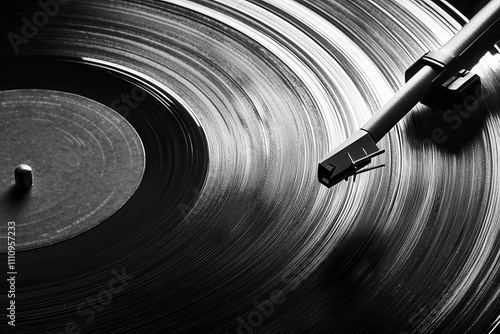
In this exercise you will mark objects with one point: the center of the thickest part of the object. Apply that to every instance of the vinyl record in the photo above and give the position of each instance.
(229, 231)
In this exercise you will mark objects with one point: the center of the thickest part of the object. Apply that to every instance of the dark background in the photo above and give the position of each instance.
(468, 7)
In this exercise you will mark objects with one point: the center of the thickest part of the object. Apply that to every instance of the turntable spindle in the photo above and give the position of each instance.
(23, 175)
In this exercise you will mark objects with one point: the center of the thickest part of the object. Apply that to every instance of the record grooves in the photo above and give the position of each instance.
(235, 102)
(173, 177)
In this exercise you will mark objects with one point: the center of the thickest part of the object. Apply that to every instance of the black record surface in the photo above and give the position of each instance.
(230, 232)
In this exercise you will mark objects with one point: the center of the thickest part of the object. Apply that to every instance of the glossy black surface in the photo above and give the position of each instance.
(274, 86)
